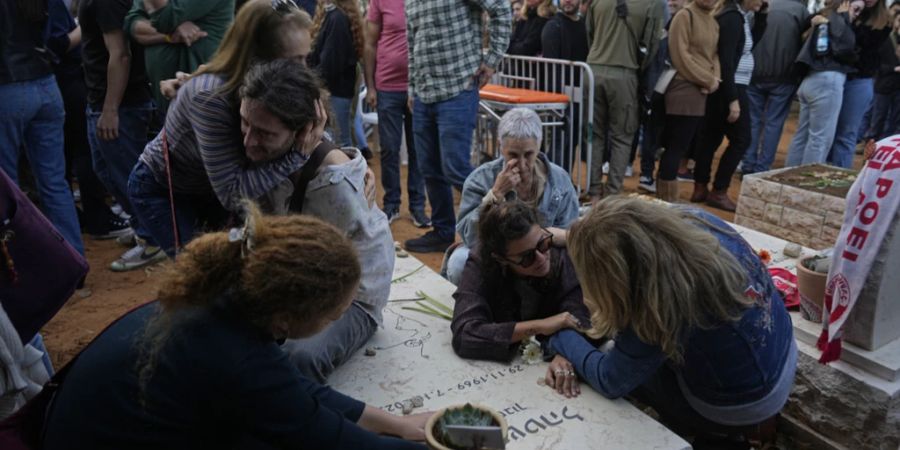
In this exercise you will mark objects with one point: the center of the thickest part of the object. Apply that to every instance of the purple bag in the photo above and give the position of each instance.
(39, 270)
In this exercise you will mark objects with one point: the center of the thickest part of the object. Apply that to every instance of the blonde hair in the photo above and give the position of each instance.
(257, 33)
(350, 8)
(655, 269)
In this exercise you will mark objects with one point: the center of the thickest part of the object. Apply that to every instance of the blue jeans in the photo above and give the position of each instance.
(317, 356)
(359, 133)
(820, 97)
(32, 117)
(769, 107)
(443, 137)
(393, 119)
(114, 160)
(151, 198)
(341, 108)
(858, 94)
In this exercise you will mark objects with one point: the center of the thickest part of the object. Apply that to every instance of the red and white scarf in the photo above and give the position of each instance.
(871, 205)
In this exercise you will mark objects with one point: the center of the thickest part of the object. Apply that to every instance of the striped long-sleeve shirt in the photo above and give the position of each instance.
(206, 150)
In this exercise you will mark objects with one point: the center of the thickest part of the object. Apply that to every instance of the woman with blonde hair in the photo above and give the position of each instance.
(701, 333)
(337, 33)
(528, 25)
(201, 367)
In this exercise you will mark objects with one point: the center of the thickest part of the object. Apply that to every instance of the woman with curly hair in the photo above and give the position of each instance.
(337, 47)
(701, 333)
(515, 285)
(201, 367)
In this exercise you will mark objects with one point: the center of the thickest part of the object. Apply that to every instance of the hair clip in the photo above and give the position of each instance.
(243, 235)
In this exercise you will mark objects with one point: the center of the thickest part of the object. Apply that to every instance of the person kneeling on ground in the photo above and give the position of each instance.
(201, 368)
(701, 333)
(331, 187)
(524, 173)
(515, 285)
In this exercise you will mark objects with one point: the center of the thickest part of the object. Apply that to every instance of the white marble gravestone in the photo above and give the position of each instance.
(413, 357)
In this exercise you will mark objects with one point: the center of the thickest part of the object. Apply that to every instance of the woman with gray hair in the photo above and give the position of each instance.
(523, 173)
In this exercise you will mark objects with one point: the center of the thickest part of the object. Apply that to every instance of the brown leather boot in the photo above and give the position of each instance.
(720, 200)
(701, 192)
(667, 191)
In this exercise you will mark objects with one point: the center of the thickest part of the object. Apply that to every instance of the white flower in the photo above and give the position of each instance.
(531, 351)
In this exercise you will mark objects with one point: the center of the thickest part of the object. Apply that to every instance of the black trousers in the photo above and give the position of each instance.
(679, 135)
(715, 127)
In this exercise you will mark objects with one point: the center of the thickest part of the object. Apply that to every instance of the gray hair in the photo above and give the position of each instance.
(520, 123)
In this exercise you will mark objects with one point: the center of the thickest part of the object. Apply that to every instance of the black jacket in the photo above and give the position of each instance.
(564, 38)
(868, 45)
(23, 55)
(334, 55)
(888, 81)
(526, 35)
(731, 44)
(840, 35)
(774, 56)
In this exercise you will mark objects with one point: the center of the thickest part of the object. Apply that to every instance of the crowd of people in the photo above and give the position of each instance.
(224, 131)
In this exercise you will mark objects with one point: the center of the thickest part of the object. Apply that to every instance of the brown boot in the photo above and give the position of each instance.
(701, 192)
(667, 191)
(720, 200)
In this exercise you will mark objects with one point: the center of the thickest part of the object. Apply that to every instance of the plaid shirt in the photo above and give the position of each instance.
(444, 39)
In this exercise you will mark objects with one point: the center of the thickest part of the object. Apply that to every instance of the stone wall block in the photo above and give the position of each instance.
(802, 222)
(760, 188)
(830, 234)
(834, 219)
(772, 213)
(801, 199)
(834, 204)
(751, 207)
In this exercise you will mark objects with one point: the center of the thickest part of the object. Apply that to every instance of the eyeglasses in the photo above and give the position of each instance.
(528, 257)
(283, 6)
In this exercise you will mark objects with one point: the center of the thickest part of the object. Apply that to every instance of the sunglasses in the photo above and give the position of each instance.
(527, 258)
(283, 6)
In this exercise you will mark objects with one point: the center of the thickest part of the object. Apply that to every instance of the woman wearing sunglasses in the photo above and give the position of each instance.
(515, 285)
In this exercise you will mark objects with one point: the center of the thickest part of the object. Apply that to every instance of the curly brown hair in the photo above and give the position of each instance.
(297, 269)
(350, 8)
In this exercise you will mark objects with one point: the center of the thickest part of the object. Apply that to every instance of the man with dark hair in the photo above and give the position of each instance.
(446, 69)
(623, 37)
(774, 81)
(119, 110)
(565, 37)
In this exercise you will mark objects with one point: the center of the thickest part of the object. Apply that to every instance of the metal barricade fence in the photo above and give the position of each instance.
(567, 135)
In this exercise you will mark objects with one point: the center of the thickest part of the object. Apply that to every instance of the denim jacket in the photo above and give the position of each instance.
(558, 206)
(736, 363)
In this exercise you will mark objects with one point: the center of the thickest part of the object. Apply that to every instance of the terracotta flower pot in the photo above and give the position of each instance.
(433, 443)
(812, 292)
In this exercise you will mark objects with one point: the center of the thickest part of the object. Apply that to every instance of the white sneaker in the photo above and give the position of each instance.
(605, 168)
(139, 256)
(647, 184)
(117, 210)
(629, 172)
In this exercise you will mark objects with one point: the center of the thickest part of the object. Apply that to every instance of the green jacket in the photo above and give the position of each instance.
(610, 40)
(163, 60)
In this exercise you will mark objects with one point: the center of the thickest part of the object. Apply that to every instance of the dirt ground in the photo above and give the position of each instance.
(107, 295)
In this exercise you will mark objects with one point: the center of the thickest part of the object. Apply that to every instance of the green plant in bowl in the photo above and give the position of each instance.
(466, 415)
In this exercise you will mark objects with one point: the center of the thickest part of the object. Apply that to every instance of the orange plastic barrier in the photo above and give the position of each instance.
(497, 93)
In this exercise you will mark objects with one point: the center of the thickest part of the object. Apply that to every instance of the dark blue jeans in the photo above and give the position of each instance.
(393, 119)
(443, 132)
(114, 160)
(151, 200)
(885, 116)
(32, 117)
(769, 107)
(858, 93)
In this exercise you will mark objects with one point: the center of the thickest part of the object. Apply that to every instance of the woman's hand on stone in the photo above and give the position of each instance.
(558, 322)
(561, 377)
(412, 427)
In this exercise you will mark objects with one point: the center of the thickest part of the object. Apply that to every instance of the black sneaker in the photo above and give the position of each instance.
(116, 228)
(420, 219)
(430, 242)
(392, 214)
